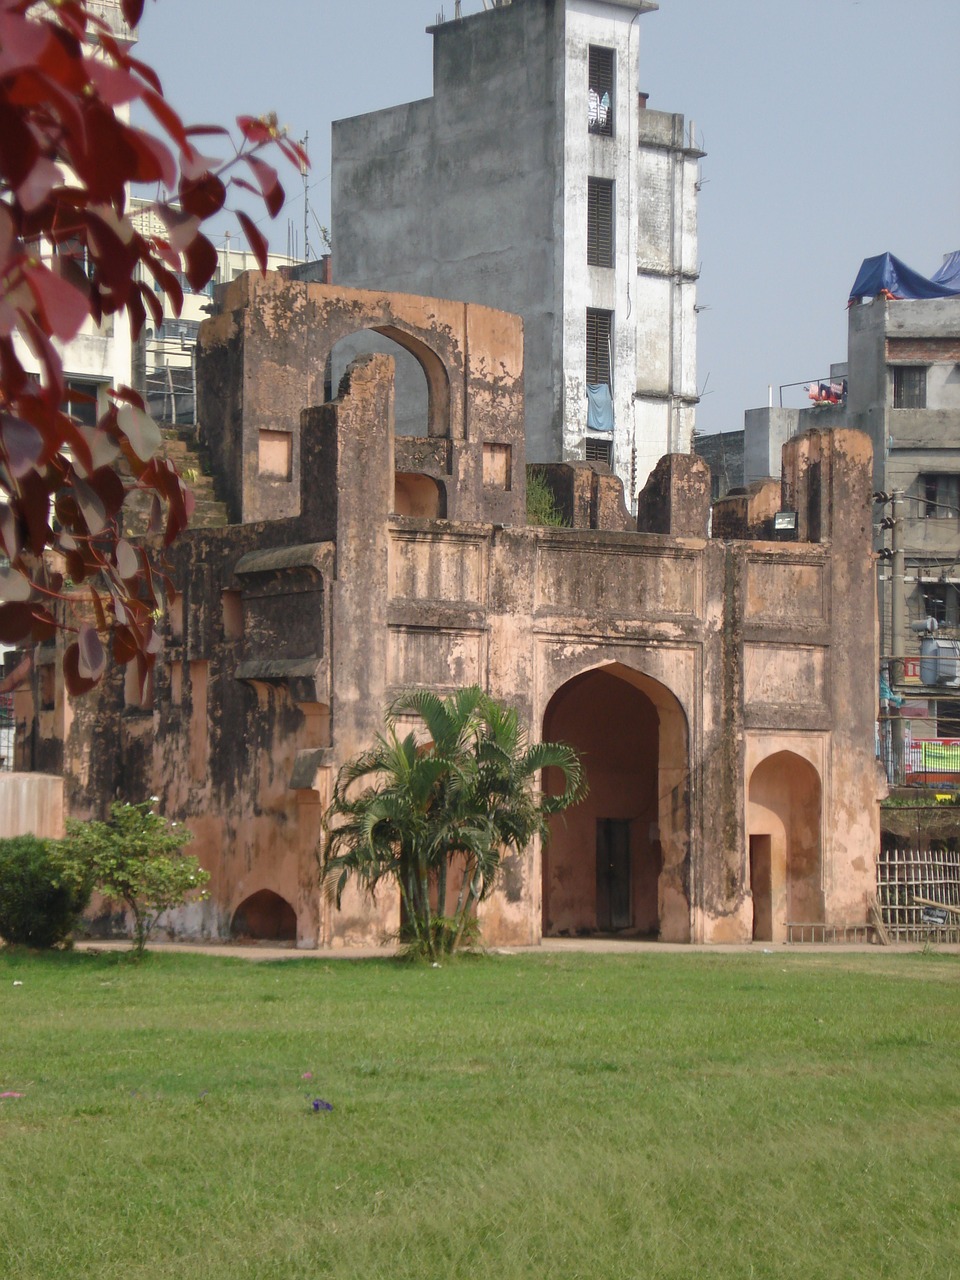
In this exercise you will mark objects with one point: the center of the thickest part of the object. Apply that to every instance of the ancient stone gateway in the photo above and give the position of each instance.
(619, 860)
(721, 688)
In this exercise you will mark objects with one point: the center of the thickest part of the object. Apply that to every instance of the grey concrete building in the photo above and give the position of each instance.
(537, 180)
(903, 390)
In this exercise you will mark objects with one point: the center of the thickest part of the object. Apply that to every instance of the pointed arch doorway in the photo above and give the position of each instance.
(783, 827)
(617, 862)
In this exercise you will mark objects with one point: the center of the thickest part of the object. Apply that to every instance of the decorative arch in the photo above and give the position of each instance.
(265, 917)
(438, 419)
(784, 820)
(619, 861)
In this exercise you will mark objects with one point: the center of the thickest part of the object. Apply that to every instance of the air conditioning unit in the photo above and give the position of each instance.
(940, 662)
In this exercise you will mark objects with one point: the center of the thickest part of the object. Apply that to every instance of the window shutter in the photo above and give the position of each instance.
(599, 332)
(599, 222)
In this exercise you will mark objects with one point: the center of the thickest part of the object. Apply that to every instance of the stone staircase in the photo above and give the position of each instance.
(181, 446)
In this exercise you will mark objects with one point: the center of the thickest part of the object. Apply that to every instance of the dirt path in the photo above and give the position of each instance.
(597, 946)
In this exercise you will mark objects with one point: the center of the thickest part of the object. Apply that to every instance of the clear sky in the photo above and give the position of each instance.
(832, 129)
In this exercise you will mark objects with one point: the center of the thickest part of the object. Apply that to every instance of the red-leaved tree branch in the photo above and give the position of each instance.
(69, 253)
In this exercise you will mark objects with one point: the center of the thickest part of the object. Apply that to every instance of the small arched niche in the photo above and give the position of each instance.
(419, 495)
(265, 917)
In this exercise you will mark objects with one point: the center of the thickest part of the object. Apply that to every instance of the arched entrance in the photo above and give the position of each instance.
(783, 824)
(266, 917)
(421, 386)
(617, 862)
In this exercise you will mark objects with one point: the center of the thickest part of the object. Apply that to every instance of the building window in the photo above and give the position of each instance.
(600, 91)
(910, 387)
(599, 222)
(940, 602)
(599, 451)
(81, 401)
(939, 497)
(599, 339)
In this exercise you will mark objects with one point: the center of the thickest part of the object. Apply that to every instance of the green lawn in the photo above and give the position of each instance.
(656, 1115)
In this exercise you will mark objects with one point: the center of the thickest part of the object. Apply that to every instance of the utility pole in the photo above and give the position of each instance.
(897, 625)
(304, 173)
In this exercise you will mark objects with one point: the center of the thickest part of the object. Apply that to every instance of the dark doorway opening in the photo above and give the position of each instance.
(761, 880)
(613, 875)
(265, 917)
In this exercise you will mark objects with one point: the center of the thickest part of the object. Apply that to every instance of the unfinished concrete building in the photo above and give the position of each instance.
(537, 180)
(720, 688)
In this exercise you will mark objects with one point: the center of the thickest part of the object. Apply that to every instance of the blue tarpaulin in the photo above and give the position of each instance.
(887, 274)
(949, 273)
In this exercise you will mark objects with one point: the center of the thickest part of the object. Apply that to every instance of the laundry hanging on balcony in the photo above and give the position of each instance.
(599, 407)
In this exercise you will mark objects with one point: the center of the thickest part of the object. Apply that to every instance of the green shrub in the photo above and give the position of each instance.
(136, 857)
(40, 898)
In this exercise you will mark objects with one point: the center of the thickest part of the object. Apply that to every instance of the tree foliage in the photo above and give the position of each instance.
(70, 253)
(136, 857)
(445, 813)
(41, 892)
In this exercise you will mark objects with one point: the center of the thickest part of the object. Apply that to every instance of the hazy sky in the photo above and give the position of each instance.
(832, 130)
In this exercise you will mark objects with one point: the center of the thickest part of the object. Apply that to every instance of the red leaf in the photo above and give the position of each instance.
(44, 626)
(38, 184)
(144, 71)
(132, 11)
(256, 241)
(114, 85)
(257, 129)
(91, 660)
(154, 305)
(268, 183)
(15, 587)
(22, 444)
(204, 197)
(16, 622)
(141, 430)
(124, 644)
(62, 308)
(98, 610)
(156, 162)
(108, 487)
(202, 262)
(18, 146)
(165, 115)
(90, 505)
(41, 346)
(168, 282)
(76, 682)
(128, 562)
(181, 227)
(8, 532)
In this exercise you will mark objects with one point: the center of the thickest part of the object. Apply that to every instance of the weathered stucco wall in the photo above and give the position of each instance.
(678, 664)
(31, 804)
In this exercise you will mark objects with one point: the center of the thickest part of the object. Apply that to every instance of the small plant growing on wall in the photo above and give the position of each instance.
(136, 857)
(441, 808)
(542, 508)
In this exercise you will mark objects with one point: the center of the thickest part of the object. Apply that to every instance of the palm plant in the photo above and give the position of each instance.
(414, 813)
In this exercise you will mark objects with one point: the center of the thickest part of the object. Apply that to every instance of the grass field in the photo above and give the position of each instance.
(655, 1115)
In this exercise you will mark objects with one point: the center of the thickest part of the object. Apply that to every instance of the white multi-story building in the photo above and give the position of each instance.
(537, 181)
(166, 356)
